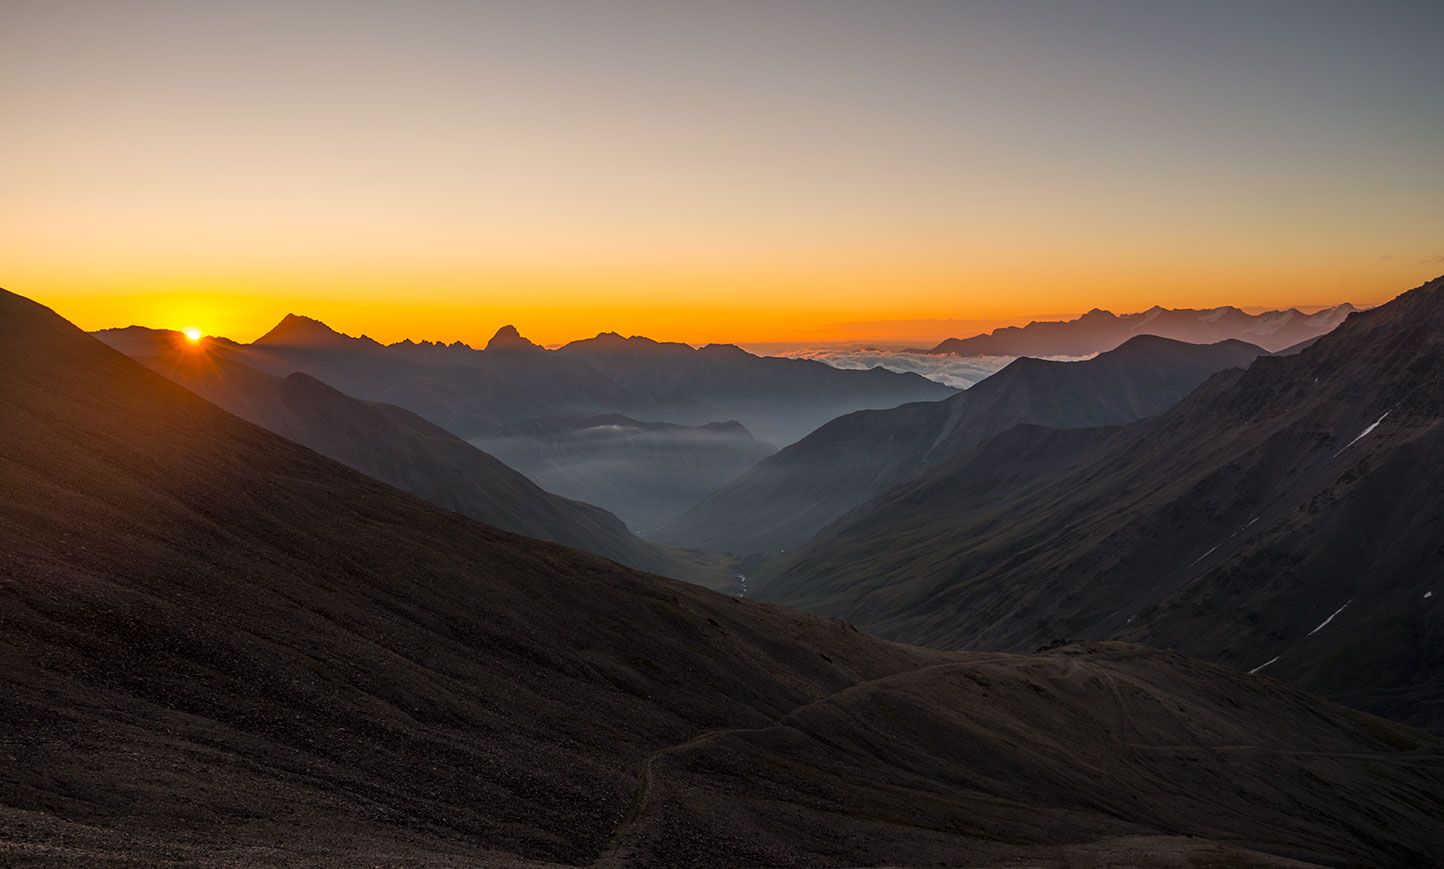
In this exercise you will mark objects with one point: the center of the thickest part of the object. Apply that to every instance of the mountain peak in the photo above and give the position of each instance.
(725, 350)
(613, 342)
(296, 330)
(508, 338)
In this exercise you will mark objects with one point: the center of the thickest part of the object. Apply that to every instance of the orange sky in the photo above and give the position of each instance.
(792, 172)
(747, 319)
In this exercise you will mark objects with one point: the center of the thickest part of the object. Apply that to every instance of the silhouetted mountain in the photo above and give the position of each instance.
(466, 391)
(779, 400)
(508, 338)
(787, 498)
(648, 473)
(475, 393)
(395, 446)
(296, 331)
(483, 395)
(221, 647)
(1287, 518)
(1099, 331)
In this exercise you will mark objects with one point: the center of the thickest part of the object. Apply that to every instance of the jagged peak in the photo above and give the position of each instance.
(508, 338)
(297, 330)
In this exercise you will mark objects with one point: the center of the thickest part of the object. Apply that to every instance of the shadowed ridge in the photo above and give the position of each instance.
(1302, 490)
(787, 498)
(1149, 345)
(398, 447)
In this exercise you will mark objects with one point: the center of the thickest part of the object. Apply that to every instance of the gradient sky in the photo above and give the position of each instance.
(734, 171)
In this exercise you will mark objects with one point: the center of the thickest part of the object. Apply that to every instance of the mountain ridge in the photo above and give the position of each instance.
(1098, 330)
(397, 447)
(790, 496)
(474, 392)
(1226, 527)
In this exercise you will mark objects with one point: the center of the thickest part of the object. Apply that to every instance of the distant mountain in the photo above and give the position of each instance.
(648, 473)
(466, 391)
(508, 338)
(787, 498)
(779, 400)
(1100, 331)
(304, 333)
(491, 396)
(395, 446)
(220, 647)
(1288, 519)
(476, 393)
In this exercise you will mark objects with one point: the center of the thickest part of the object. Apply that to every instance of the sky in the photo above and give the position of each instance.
(741, 171)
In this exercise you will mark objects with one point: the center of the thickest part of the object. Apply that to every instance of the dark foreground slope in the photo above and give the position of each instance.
(1288, 518)
(398, 447)
(787, 498)
(218, 646)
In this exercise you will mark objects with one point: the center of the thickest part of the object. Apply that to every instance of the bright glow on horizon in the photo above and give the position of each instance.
(783, 172)
(192, 334)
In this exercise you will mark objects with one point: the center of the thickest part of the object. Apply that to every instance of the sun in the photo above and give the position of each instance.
(192, 334)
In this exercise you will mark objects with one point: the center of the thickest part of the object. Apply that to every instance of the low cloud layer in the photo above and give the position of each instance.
(948, 370)
(959, 372)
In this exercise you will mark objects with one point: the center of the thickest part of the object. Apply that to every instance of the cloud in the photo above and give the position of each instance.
(952, 371)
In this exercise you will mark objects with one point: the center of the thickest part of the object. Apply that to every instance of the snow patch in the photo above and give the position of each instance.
(1329, 619)
(1428, 594)
(1203, 556)
(1264, 664)
(1371, 427)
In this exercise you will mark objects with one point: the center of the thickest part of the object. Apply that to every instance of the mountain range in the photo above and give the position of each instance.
(1287, 518)
(778, 399)
(221, 646)
(476, 393)
(685, 434)
(1099, 331)
(398, 447)
(466, 391)
(787, 498)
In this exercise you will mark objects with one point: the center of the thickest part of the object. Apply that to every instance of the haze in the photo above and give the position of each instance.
(778, 172)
